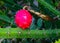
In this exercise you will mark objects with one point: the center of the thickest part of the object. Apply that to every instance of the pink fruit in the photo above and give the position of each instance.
(23, 19)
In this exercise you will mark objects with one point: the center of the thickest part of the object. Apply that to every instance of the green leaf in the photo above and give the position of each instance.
(33, 26)
(48, 6)
(5, 18)
(47, 24)
(31, 1)
(1, 23)
(44, 10)
(4, 41)
(9, 1)
(52, 2)
(48, 1)
(57, 23)
(13, 3)
(1, 3)
(24, 40)
(34, 7)
(39, 23)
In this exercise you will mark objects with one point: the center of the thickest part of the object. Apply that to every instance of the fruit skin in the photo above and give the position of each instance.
(23, 19)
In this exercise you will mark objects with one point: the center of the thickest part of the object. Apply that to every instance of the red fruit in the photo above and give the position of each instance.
(23, 19)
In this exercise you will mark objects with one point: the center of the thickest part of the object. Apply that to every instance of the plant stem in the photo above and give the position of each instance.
(18, 33)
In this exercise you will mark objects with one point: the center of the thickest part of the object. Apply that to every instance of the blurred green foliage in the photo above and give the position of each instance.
(8, 9)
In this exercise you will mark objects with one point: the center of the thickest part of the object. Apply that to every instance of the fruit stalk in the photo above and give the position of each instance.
(45, 17)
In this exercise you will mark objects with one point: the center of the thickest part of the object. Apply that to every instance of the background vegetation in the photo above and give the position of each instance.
(51, 8)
